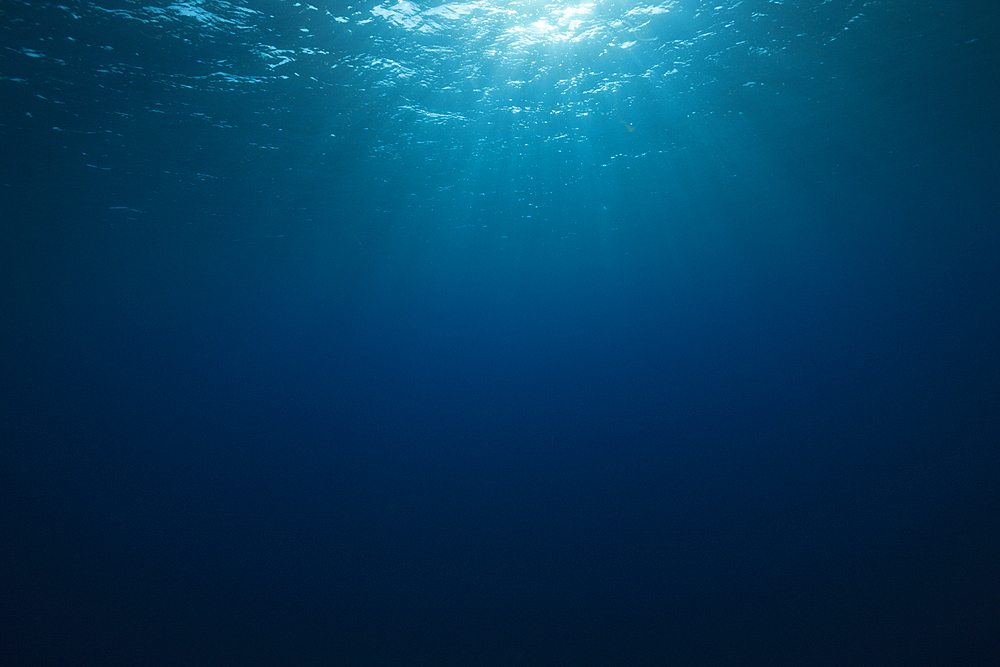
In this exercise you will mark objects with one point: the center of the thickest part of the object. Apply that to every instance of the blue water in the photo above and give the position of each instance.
(500, 333)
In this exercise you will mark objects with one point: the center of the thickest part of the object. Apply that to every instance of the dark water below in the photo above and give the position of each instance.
(500, 334)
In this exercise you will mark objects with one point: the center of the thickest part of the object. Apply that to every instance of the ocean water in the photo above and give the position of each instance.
(500, 333)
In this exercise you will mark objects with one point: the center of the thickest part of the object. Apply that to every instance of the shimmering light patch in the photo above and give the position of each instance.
(561, 25)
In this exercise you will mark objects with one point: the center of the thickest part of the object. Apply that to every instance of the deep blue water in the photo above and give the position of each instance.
(510, 333)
